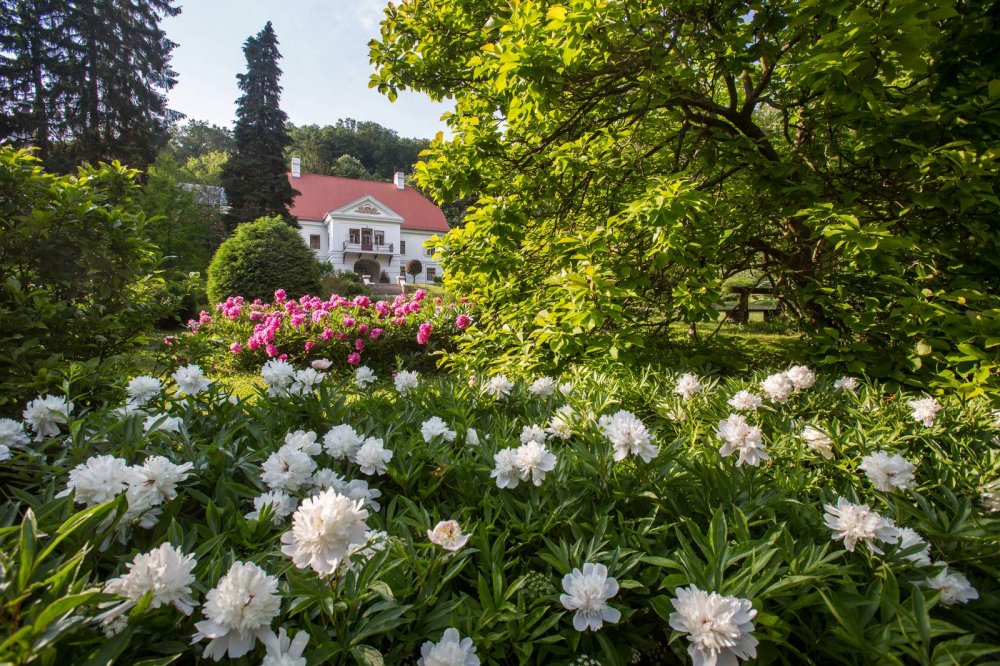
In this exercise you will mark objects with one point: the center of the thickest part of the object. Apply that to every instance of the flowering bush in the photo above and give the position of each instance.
(590, 519)
(338, 332)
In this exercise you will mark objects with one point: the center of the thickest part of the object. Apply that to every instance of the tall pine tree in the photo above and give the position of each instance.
(86, 80)
(254, 177)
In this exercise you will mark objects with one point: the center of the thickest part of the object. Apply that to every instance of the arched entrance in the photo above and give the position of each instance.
(368, 267)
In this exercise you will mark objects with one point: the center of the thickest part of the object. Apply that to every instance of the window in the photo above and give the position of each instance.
(314, 242)
(429, 251)
(431, 273)
(402, 269)
(354, 236)
(380, 238)
(402, 247)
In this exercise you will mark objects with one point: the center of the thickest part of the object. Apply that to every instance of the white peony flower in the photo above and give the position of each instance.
(406, 381)
(472, 437)
(778, 388)
(533, 460)
(532, 433)
(818, 441)
(498, 387)
(688, 385)
(278, 376)
(238, 609)
(448, 535)
(718, 627)
(45, 414)
(566, 388)
(99, 480)
(304, 440)
(505, 471)
(991, 497)
(542, 387)
(587, 592)
(327, 478)
(908, 538)
(375, 542)
(373, 456)
(321, 364)
(142, 389)
(305, 381)
(166, 572)
(157, 480)
(452, 650)
(282, 651)
(887, 472)
(162, 423)
(560, 425)
(288, 468)
(855, 523)
(628, 436)
(436, 427)
(342, 442)
(924, 410)
(738, 435)
(12, 434)
(745, 401)
(364, 376)
(282, 505)
(190, 380)
(358, 489)
(324, 528)
(954, 587)
(801, 377)
(846, 383)
(4, 452)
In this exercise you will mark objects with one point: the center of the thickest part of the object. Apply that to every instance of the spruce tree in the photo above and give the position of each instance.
(86, 81)
(254, 177)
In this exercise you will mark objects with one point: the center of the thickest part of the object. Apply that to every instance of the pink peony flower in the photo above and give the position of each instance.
(354, 358)
(271, 349)
(419, 294)
(280, 295)
(348, 322)
(309, 345)
(375, 334)
(235, 348)
(327, 334)
(424, 334)
(463, 321)
(359, 344)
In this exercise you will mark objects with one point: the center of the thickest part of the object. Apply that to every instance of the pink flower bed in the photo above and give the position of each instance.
(349, 332)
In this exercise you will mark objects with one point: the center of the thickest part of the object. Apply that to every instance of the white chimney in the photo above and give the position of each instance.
(400, 182)
(296, 167)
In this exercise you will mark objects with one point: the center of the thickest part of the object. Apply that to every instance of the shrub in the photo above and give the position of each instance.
(80, 279)
(260, 258)
(345, 283)
(691, 512)
(414, 267)
(349, 332)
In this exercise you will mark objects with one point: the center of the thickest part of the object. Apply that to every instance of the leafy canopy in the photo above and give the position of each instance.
(630, 156)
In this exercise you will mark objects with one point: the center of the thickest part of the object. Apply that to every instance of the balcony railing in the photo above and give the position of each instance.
(373, 248)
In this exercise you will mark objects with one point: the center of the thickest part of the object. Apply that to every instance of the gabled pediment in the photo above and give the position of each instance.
(365, 208)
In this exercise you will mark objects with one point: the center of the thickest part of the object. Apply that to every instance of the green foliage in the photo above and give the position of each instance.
(259, 258)
(348, 166)
(255, 175)
(688, 517)
(345, 283)
(380, 151)
(80, 279)
(197, 138)
(86, 84)
(627, 156)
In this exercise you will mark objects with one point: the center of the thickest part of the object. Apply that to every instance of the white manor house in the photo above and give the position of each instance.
(366, 227)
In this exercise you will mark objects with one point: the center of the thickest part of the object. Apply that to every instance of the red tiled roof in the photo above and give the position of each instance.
(318, 195)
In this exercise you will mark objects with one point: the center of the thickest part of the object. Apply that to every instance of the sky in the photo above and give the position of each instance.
(324, 44)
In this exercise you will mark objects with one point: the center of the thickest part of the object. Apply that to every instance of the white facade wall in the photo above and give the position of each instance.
(335, 232)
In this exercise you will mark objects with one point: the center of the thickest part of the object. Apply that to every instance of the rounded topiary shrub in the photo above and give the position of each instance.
(260, 257)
